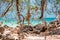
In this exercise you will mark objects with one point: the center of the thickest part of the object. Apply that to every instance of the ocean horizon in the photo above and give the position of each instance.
(13, 23)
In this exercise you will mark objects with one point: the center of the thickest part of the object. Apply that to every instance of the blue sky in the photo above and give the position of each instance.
(4, 5)
(45, 13)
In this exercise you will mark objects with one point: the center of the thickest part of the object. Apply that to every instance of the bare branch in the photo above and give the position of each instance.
(4, 13)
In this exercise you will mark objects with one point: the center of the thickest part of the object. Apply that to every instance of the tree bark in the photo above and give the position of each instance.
(42, 8)
(28, 13)
(18, 12)
(17, 9)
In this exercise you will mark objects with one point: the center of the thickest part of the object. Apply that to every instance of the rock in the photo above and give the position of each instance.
(30, 28)
(27, 28)
(0, 23)
(43, 29)
(1, 30)
(0, 36)
(51, 23)
(36, 31)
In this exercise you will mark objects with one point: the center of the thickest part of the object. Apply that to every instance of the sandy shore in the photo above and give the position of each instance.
(31, 37)
(56, 37)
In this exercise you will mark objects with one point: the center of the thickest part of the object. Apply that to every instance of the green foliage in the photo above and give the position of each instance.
(6, 0)
(20, 0)
(32, 7)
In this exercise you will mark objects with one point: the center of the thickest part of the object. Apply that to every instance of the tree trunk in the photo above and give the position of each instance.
(42, 8)
(42, 11)
(28, 13)
(22, 19)
(18, 13)
(17, 9)
(18, 16)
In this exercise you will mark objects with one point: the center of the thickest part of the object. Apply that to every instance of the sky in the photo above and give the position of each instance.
(24, 11)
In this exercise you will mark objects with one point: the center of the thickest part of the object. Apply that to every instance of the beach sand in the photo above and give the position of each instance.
(53, 37)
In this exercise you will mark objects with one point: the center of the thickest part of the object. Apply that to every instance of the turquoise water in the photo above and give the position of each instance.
(13, 23)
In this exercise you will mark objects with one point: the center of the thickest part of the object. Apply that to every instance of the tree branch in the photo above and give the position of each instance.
(4, 13)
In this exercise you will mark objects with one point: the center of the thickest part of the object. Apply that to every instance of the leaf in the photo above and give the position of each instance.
(32, 7)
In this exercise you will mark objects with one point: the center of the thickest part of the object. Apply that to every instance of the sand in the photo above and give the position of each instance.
(31, 37)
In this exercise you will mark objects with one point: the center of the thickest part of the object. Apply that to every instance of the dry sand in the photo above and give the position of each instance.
(31, 37)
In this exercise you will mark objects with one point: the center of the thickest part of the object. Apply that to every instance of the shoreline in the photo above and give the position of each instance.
(33, 23)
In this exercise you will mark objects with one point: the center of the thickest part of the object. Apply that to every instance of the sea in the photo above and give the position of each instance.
(13, 23)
